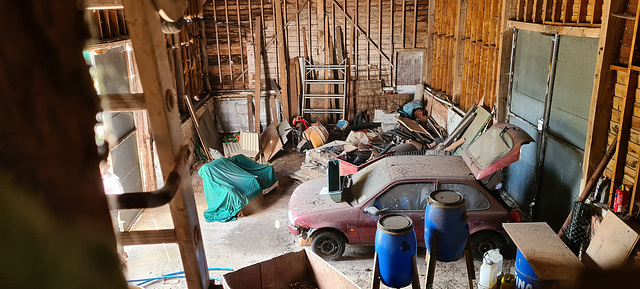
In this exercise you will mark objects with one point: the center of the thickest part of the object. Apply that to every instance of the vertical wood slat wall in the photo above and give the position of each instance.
(482, 32)
(561, 12)
(624, 128)
(226, 55)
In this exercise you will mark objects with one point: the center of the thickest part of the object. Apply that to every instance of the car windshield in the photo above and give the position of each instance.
(369, 181)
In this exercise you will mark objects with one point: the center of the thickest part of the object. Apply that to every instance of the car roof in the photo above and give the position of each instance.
(411, 166)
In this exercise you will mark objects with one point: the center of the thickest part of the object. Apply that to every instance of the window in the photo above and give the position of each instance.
(474, 199)
(405, 197)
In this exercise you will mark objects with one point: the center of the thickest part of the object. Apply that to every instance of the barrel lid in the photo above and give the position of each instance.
(395, 224)
(447, 199)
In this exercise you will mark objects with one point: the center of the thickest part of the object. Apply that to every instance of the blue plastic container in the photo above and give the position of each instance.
(525, 276)
(396, 248)
(446, 216)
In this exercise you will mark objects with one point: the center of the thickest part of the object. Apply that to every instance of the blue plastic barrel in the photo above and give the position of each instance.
(396, 248)
(446, 217)
(526, 278)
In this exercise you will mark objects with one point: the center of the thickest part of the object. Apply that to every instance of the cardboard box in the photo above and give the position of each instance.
(282, 271)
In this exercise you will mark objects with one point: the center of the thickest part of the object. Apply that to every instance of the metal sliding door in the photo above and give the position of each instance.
(550, 98)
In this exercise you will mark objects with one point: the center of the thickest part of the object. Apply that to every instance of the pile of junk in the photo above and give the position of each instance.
(405, 130)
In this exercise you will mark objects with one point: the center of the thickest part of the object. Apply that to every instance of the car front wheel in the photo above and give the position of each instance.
(482, 242)
(328, 245)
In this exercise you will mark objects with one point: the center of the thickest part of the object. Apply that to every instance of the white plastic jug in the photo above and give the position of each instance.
(490, 270)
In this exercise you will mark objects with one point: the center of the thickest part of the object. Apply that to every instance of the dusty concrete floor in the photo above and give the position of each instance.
(261, 236)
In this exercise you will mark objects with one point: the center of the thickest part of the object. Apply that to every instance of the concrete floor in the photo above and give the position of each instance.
(261, 236)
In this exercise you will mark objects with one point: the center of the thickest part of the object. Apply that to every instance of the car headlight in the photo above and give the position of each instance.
(291, 218)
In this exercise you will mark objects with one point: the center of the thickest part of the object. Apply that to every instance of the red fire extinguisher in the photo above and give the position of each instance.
(620, 201)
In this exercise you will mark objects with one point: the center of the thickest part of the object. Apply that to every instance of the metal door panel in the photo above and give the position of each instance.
(560, 185)
(572, 89)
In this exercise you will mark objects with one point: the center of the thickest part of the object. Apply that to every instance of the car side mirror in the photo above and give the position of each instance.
(372, 210)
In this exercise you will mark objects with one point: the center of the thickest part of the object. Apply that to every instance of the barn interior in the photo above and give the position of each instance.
(209, 143)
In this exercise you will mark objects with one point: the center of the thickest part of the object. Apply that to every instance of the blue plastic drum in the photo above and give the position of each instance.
(446, 217)
(526, 278)
(396, 248)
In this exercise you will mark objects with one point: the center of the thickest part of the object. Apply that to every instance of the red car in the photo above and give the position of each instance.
(401, 184)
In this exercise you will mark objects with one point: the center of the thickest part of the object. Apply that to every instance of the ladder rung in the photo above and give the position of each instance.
(146, 237)
(323, 95)
(328, 81)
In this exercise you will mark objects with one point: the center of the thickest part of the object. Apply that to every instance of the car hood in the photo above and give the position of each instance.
(310, 197)
(495, 149)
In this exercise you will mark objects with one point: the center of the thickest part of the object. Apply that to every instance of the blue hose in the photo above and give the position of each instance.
(178, 274)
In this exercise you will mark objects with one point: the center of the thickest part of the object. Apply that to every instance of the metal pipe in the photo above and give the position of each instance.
(542, 139)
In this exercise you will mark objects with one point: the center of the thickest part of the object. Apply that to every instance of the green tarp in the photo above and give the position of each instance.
(230, 184)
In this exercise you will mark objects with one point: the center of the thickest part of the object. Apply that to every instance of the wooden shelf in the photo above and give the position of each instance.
(619, 68)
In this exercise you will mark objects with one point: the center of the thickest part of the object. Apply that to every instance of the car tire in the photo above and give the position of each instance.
(482, 242)
(328, 244)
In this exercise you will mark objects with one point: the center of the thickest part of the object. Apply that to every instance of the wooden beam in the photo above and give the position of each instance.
(504, 60)
(102, 4)
(380, 40)
(215, 19)
(392, 75)
(578, 31)
(368, 44)
(123, 102)
(415, 23)
(240, 40)
(257, 45)
(146, 237)
(404, 20)
(226, 19)
(458, 57)
(155, 75)
(431, 17)
(283, 63)
(365, 34)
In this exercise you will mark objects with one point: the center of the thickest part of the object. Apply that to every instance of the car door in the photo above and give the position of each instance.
(409, 199)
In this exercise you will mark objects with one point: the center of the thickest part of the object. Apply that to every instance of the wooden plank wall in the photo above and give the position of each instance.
(561, 12)
(481, 36)
(443, 45)
(228, 58)
(624, 128)
(111, 24)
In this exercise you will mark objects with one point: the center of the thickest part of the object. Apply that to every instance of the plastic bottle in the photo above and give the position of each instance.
(508, 282)
(488, 272)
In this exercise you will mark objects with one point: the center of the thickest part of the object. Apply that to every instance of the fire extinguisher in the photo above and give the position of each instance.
(620, 201)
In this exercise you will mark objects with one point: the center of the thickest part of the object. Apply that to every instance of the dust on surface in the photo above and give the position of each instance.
(257, 237)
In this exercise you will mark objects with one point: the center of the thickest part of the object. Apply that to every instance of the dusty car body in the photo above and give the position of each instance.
(401, 184)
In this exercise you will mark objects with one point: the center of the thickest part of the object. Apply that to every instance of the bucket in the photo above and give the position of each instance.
(396, 248)
(317, 134)
(446, 215)
(526, 278)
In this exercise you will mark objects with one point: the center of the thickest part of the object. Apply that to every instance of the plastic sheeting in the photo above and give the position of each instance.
(230, 184)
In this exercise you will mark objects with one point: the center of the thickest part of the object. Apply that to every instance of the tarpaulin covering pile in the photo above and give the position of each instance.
(230, 184)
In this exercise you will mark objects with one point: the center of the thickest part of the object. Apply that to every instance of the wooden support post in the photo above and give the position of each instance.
(431, 17)
(297, 27)
(404, 20)
(415, 23)
(257, 45)
(350, 98)
(601, 95)
(622, 139)
(380, 39)
(392, 75)
(215, 20)
(368, 45)
(226, 19)
(458, 57)
(153, 63)
(283, 63)
(240, 41)
(504, 61)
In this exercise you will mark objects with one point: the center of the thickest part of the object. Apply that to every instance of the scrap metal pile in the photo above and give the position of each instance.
(408, 130)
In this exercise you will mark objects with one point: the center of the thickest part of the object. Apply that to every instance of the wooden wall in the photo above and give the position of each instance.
(624, 127)
(381, 25)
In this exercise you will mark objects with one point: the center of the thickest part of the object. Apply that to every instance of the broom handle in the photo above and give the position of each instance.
(592, 181)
